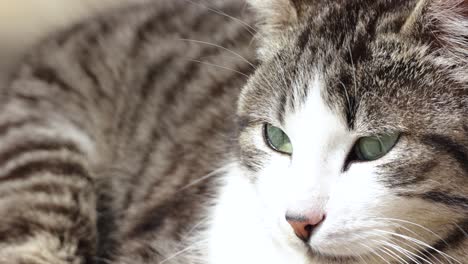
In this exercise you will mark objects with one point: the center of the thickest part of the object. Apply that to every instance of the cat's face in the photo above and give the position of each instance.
(354, 135)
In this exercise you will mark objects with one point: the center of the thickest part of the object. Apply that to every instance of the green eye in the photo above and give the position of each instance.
(375, 147)
(277, 139)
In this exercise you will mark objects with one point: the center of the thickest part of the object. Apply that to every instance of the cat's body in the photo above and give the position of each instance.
(170, 115)
(121, 143)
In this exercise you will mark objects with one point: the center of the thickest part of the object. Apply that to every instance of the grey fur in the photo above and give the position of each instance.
(158, 120)
(132, 82)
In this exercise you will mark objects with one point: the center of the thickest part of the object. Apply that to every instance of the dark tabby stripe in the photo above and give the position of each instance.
(50, 76)
(155, 71)
(12, 125)
(190, 72)
(403, 178)
(29, 147)
(447, 199)
(147, 223)
(303, 41)
(214, 95)
(281, 111)
(447, 145)
(186, 75)
(253, 158)
(150, 221)
(454, 239)
(244, 122)
(58, 188)
(60, 168)
(123, 103)
(100, 92)
(106, 224)
(153, 24)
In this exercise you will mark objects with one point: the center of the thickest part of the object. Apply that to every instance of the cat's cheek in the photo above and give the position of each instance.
(272, 180)
(355, 201)
(243, 229)
(272, 187)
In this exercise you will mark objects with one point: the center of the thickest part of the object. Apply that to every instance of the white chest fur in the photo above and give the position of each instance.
(237, 234)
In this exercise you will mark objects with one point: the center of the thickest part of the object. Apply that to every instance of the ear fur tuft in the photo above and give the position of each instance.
(275, 14)
(274, 18)
(448, 20)
(443, 23)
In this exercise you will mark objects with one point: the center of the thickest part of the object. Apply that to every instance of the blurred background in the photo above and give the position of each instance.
(25, 22)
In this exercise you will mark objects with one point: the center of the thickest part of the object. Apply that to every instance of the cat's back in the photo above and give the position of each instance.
(151, 91)
(153, 62)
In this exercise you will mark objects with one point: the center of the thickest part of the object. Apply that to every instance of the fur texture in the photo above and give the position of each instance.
(137, 138)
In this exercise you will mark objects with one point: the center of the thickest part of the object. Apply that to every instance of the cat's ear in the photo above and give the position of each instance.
(443, 23)
(275, 14)
(274, 18)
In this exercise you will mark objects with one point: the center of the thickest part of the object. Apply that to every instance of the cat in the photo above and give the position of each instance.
(176, 132)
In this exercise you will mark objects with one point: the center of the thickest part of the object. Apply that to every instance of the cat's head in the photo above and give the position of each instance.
(354, 128)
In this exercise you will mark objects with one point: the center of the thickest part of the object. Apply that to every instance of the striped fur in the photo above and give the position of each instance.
(129, 138)
(86, 140)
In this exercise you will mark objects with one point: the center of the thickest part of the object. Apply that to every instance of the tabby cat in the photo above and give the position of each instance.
(159, 134)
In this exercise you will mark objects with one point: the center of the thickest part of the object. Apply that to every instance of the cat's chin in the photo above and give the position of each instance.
(333, 250)
(327, 258)
(340, 248)
(337, 254)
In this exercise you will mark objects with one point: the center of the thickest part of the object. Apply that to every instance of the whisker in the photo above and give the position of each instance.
(446, 256)
(410, 246)
(351, 253)
(418, 225)
(416, 236)
(459, 227)
(207, 176)
(405, 252)
(185, 250)
(363, 260)
(102, 260)
(196, 226)
(354, 70)
(247, 27)
(390, 253)
(221, 47)
(347, 96)
(219, 66)
(374, 252)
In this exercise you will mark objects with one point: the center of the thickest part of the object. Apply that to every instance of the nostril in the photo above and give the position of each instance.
(303, 226)
(308, 230)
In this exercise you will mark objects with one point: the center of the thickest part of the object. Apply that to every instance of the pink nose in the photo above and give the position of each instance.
(304, 224)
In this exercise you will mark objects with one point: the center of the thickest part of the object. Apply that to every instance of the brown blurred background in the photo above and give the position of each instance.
(25, 22)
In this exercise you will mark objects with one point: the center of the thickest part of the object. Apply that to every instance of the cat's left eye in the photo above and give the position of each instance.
(375, 147)
(277, 139)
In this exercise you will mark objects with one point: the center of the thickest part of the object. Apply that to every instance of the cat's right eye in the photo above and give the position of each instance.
(277, 139)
